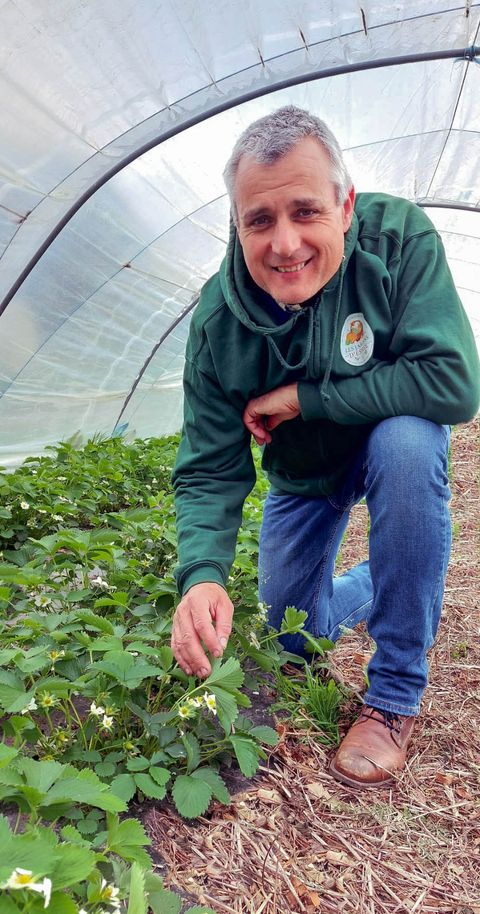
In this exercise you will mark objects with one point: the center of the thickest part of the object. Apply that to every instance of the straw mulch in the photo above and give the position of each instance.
(294, 840)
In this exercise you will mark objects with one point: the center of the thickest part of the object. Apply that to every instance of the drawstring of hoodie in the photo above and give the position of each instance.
(309, 341)
(308, 347)
(323, 390)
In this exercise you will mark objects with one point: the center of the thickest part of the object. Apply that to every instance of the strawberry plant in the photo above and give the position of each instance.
(95, 710)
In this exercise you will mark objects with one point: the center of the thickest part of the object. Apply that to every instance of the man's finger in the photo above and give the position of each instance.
(190, 651)
(254, 422)
(257, 427)
(206, 632)
(224, 627)
(187, 647)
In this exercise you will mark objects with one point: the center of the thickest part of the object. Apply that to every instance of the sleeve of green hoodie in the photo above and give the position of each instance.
(214, 473)
(433, 371)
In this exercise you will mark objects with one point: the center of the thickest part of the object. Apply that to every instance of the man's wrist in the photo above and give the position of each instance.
(203, 574)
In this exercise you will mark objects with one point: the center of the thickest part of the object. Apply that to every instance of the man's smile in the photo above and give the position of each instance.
(293, 269)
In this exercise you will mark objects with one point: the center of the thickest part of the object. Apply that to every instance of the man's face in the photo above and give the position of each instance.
(290, 227)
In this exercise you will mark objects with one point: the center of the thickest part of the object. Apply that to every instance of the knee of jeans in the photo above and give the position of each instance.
(410, 448)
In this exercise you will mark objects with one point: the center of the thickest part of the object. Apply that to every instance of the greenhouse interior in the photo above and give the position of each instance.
(117, 120)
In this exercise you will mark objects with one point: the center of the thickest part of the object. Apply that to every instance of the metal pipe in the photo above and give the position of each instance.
(469, 53)
(145, 365)
(434, 205)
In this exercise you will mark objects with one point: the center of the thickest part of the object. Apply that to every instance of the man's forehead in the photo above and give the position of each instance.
(303, 174)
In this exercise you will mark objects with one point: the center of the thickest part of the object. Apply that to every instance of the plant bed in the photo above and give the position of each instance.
(297, 841)
(87, 597)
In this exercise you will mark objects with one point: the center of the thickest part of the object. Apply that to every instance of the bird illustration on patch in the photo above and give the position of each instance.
(355, 333)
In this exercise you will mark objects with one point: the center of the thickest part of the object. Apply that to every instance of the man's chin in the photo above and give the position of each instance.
(291, 297)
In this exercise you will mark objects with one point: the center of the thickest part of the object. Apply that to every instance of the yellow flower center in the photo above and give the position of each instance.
(23, 878)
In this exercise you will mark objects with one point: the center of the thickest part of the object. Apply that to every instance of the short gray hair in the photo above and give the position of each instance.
(273, 136)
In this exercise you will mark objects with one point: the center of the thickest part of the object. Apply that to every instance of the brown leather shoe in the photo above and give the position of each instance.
(374, 749)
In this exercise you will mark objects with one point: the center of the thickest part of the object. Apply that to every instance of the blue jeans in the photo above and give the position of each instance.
(402, 473)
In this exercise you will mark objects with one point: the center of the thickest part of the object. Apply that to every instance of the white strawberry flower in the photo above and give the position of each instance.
(100, 582)
(262, 611)
(96, 710)
(42, 600)
(254, 640)
(56, 655)
(23, 879)
(210, 701)
(109, 894)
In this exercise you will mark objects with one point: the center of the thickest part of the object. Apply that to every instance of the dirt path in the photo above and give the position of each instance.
(297, 841)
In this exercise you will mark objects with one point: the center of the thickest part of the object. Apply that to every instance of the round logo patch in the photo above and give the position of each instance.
(356, 342)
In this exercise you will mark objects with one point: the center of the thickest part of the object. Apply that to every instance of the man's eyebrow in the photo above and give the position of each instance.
(250, 214)
(309, 203)
(298, 203)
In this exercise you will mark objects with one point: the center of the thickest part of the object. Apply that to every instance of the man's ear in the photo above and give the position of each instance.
(348, 209)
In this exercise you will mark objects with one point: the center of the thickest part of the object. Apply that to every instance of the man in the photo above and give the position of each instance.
(334, 335)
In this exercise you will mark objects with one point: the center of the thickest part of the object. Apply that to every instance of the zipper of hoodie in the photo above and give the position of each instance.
(316, 344)
(338, 301)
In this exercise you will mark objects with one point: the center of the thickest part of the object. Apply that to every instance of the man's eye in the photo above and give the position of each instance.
(306, 212)
(260, 220)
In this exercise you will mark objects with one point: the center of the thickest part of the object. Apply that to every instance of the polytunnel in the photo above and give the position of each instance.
(117, 119)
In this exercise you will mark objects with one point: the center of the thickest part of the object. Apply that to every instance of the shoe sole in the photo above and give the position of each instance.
(351, 782)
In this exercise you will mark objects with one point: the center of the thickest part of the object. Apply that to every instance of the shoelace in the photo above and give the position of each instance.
(388, 718)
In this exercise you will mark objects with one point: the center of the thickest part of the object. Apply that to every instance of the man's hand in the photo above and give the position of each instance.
(193, 629)
(263, 414)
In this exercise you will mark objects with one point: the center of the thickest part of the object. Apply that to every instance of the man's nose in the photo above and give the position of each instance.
(285, 238)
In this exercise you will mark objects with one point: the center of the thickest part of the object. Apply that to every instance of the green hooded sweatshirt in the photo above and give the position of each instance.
(387, 336)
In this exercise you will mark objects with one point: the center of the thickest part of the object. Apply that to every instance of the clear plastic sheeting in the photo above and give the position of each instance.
(460, 232)
(117, 120)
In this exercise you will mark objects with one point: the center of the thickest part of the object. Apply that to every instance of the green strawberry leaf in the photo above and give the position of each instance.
(227, 675)
(137, 900)
(293, 620)
(161, 776)
(137, 763)
(227, 708)
(148, 786)
(7, 753)
(247, 754)
(127, 839)
(214, 780)
(72, 864)
(264, 735)
(94, 621)
(192, 748)
(191, 796)
(124, 786)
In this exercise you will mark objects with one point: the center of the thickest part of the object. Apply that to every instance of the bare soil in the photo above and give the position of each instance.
(294, 840)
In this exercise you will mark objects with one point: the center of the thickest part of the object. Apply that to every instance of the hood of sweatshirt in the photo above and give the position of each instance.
(246, 300)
